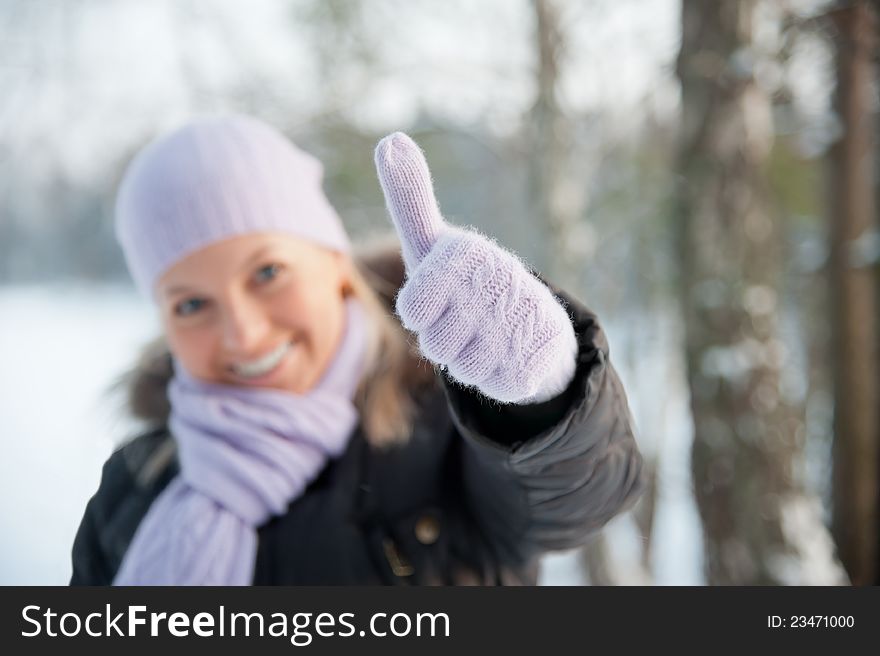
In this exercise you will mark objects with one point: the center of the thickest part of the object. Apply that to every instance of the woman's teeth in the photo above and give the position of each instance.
(264, 365)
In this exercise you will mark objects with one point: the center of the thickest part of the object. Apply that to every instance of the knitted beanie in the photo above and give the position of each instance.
(216, 178)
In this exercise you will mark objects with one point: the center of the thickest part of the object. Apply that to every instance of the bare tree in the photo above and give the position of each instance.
(557, 196)
(760, 524)
(553, 188)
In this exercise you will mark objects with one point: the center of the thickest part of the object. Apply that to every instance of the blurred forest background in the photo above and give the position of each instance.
(702, 174)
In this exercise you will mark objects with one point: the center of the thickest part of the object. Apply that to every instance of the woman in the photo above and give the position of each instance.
(297, 436)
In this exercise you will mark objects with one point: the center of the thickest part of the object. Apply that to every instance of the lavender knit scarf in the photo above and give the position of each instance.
(245, 454)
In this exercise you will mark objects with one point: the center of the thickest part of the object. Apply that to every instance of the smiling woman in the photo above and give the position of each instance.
(265, 309)
(298, 437)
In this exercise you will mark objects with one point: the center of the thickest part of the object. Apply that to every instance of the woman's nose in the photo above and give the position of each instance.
(245, 325)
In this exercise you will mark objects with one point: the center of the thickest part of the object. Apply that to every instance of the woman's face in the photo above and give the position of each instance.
(264, 310)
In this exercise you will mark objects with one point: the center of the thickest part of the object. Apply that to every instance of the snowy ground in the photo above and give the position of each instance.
(61, 347)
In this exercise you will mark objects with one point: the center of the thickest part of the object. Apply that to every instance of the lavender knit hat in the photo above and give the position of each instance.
(216, 178)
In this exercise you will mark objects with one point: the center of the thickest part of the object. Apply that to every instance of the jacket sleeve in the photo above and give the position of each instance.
(546, 476)
(90, 562)
(131, 479)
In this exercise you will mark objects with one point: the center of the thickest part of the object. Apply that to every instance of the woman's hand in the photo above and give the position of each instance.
(476, 309)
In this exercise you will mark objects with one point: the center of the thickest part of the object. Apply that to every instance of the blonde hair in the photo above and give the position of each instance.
(384, 396)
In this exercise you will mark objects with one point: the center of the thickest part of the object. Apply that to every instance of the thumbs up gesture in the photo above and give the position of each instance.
(475, 307)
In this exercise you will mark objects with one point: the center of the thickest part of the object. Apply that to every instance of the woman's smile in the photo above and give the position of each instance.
(262, 369)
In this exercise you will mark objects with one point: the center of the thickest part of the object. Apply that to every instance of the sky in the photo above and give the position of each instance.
(85, 82)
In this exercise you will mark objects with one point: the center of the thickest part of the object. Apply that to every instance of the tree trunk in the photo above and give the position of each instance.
(554, 189)
(854, 298)
(557, 197)
(760, 525)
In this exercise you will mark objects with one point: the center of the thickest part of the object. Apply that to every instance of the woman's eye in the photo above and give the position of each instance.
(268, 273)
(188, 307)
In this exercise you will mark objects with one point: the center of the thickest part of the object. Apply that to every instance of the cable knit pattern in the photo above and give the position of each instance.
(477, 310)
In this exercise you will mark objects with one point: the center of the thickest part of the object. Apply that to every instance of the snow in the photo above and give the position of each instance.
(61, 348)
(814, 561)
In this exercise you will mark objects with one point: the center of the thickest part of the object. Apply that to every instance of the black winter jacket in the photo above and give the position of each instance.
(477, 494)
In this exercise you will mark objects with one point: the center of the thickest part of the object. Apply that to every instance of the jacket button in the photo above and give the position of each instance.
(427, 529)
